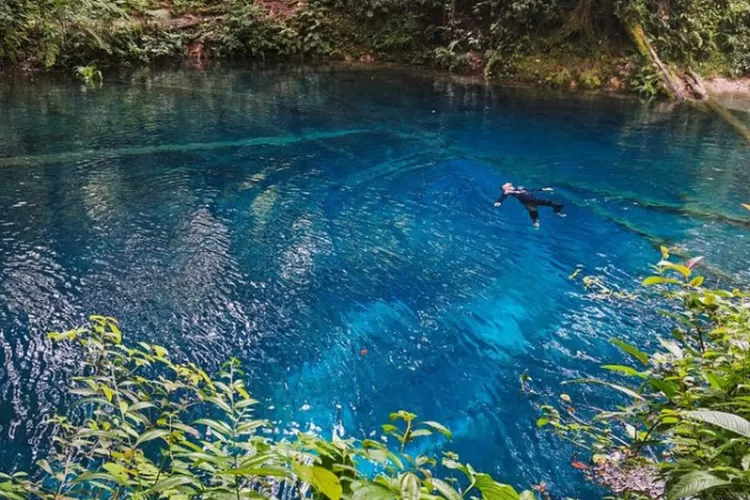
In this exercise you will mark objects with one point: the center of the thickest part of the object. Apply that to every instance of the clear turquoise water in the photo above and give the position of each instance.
(292, 217)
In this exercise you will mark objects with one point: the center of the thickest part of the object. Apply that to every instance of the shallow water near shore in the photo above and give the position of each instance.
(292, 217)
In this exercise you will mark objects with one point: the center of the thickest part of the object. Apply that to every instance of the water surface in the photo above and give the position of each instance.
(292, 217)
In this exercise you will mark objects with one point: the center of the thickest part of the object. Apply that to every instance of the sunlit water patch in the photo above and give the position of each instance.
(291, 218)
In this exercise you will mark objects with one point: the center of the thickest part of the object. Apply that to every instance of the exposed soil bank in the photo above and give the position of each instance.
(721, 85)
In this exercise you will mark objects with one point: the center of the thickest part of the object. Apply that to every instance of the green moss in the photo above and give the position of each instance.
(590, 79)
(559, 78)
(717, 64)
(560, 68)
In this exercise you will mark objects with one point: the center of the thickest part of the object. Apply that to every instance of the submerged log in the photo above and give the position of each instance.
(727, 116)
(687, 88)
(694, 81)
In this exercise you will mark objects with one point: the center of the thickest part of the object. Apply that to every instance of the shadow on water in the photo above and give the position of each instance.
(290, 217)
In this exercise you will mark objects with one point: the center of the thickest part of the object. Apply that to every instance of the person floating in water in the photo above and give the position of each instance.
(529, 201)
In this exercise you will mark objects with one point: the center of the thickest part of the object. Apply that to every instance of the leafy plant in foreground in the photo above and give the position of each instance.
(143, 426)
(646, 82)
(683, 429)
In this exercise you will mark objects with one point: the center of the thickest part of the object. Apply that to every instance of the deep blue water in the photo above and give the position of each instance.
(292, 217)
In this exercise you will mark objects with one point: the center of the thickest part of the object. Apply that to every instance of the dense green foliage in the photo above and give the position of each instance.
(584, 42)
(143, 426)
(140, 425)
(683, 429)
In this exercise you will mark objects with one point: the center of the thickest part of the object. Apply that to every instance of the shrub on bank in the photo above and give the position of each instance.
(143, 426)
(708, 36)
(682, 430)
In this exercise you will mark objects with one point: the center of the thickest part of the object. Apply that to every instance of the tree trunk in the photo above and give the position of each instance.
(691, 83)
(648, 53)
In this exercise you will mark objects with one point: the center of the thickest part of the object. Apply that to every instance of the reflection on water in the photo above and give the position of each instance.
(292, 217)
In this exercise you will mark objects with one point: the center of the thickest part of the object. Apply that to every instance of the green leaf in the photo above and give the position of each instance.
(141, 405)
(215, 425)
(327, 483)
(693, 483)
(107, 392)
(402, 415)
(672, 347)
(86, 433)
(97, 401)
(368, 491)
(246, 403)
(44, 465)
(728, 421)
(83, 391)
(172, 483)
(187, 429)
(634, 352)
(160, 351)
(250, 426)
(221, 404)
(388, 427)
(321, 479)
(616, 387)
(58, 337)
(151, 435)
(117, 471)
(93, 476)
(683, 270)
(542, 421)
(5, 492)
(420, 433)
(440, 428)
(246, 396)
(527, 495)
(453, 465)
(492, 490)
(396, 460)
(625, 370)
(114, 333)
(446, 490)
(714, 381)
(377, 455)
(409, 487)
(260, 471)
(668, 388)
(199, 458)
(659, 280)
(697, 281)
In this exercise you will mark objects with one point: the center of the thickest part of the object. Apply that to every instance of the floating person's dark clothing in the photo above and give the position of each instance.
(530, 202)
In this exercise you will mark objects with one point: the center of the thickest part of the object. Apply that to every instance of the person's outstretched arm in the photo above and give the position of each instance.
(501, 200)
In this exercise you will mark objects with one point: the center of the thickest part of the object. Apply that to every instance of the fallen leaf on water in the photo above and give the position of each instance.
(693, 262)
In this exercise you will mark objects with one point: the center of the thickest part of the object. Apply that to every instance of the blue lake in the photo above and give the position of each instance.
(292, 217)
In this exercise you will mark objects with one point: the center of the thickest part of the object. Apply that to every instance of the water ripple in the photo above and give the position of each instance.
(293, 219)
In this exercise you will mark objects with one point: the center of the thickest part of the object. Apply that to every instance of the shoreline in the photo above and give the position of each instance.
(733, 93)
